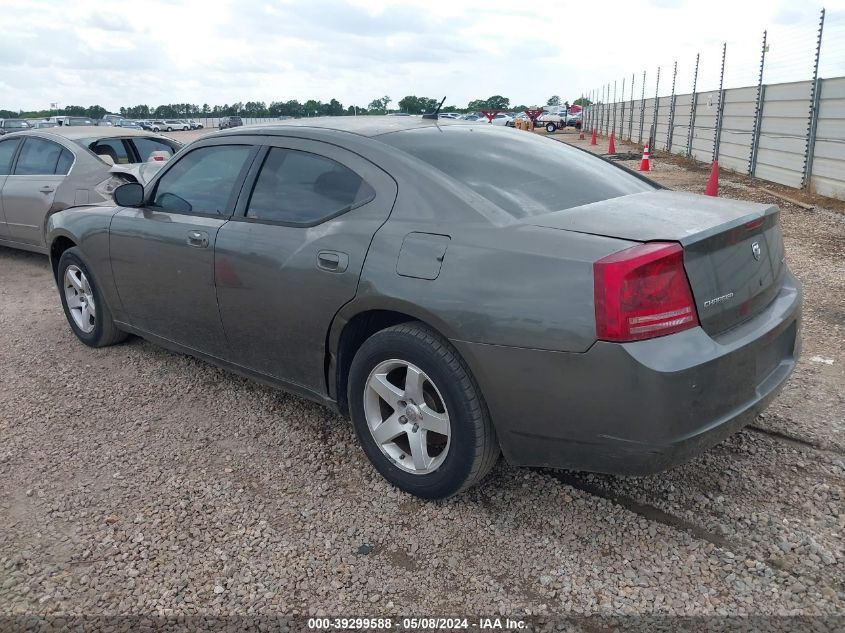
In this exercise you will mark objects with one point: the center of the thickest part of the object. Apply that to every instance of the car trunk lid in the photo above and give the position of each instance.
(733, 250)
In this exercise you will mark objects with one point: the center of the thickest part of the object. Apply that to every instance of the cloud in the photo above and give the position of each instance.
(355, 50)
(110, 21)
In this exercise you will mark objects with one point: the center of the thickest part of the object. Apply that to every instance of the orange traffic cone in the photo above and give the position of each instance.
(712, 188)
(611, 149)
(593, 140)
(644, 165)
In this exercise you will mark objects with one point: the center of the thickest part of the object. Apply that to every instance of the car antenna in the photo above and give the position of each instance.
(433, 115)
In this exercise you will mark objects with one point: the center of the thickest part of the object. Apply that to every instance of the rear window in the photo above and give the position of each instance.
(523, 174)
(146, 146)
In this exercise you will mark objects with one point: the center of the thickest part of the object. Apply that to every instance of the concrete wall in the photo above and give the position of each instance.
(784, 138)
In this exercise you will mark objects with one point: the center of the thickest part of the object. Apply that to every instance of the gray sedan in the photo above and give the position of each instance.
(439, 283)
(44, 171)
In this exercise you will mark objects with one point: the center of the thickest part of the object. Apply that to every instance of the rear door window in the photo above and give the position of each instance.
(301, 188)
(7, 151)
(65, 163)
(38, 158)
(115, 148)
(203, 181)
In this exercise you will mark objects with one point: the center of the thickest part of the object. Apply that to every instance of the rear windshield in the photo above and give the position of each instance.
(524, 174)
(16, 124)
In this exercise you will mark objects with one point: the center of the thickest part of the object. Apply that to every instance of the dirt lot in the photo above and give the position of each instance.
(137, 481)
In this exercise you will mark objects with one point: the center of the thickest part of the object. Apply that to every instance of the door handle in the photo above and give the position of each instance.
(198, 239)
(47, 189)
(332, 261)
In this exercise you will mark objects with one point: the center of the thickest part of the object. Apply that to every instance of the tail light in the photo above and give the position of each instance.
(643, 292)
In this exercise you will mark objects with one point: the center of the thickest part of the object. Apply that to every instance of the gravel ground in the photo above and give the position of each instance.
(137, 481)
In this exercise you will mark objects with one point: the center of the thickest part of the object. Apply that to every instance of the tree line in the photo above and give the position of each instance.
(410, 104)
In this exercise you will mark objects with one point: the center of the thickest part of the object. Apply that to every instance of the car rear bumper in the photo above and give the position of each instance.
(637, 408)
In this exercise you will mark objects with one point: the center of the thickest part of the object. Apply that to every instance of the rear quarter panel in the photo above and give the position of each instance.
(500, 283)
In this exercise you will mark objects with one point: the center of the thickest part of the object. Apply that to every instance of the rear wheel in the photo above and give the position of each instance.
(550, 127)
(419, 414)
(86, 310)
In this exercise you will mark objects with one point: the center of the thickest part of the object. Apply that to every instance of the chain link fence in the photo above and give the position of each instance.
(777, 113)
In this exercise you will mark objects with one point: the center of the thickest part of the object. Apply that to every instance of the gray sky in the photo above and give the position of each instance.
(82, 52)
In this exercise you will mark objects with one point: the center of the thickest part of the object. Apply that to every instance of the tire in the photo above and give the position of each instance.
(460, 458)
(550, 127)
(156, 130)
(170, 129)
(103, 331)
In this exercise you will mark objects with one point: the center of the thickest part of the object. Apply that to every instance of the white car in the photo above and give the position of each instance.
(503, 118)
(449, 115)
(175, 124)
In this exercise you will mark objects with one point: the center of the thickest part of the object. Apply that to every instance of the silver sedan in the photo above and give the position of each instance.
(45, 171)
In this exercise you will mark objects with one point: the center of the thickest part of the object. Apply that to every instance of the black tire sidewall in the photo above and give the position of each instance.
(457, 466)
(95, 336)
(550, 127)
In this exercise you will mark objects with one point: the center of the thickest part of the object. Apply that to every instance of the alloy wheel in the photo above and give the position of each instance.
(407, 416)
(80, 299)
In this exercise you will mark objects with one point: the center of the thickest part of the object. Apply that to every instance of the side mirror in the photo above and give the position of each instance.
(130, 194)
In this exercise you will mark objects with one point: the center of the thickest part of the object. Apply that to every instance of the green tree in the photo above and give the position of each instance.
(312, 107)
(415, 105)
(334, 108)
(554, 100)
(582, 101)
(498, 102)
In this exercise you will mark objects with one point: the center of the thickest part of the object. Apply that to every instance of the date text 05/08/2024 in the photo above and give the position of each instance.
(411, 624)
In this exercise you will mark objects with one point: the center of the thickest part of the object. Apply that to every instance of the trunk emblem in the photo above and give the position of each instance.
(756, 250)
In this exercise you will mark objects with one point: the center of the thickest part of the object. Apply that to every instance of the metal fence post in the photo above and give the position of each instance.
(622, 114)
(758, 113)
(652, 134)
(693, 107)
(642, 112)
(670, 128)
(810, 146)
(717, 132)
(613, 129)
(631, 121)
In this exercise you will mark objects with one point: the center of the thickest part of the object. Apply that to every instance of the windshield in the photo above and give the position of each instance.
(524, 174)
(16, 124)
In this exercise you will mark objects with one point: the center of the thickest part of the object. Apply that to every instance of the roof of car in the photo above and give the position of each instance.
(363, 125)
(76, 132)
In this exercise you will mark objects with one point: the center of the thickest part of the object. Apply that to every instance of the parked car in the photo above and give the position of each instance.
(175, 124)
(13, 125)
(501, 118)
(40, 125)
(230, 121)
(195, 125)
(129, 125)
(72, 120)
(111, 119)
(45, 171)
(455, 296)
(156, 126)
(449, 115)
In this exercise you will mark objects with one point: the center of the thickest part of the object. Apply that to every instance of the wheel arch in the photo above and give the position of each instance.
(59, 245)
(352, 326)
